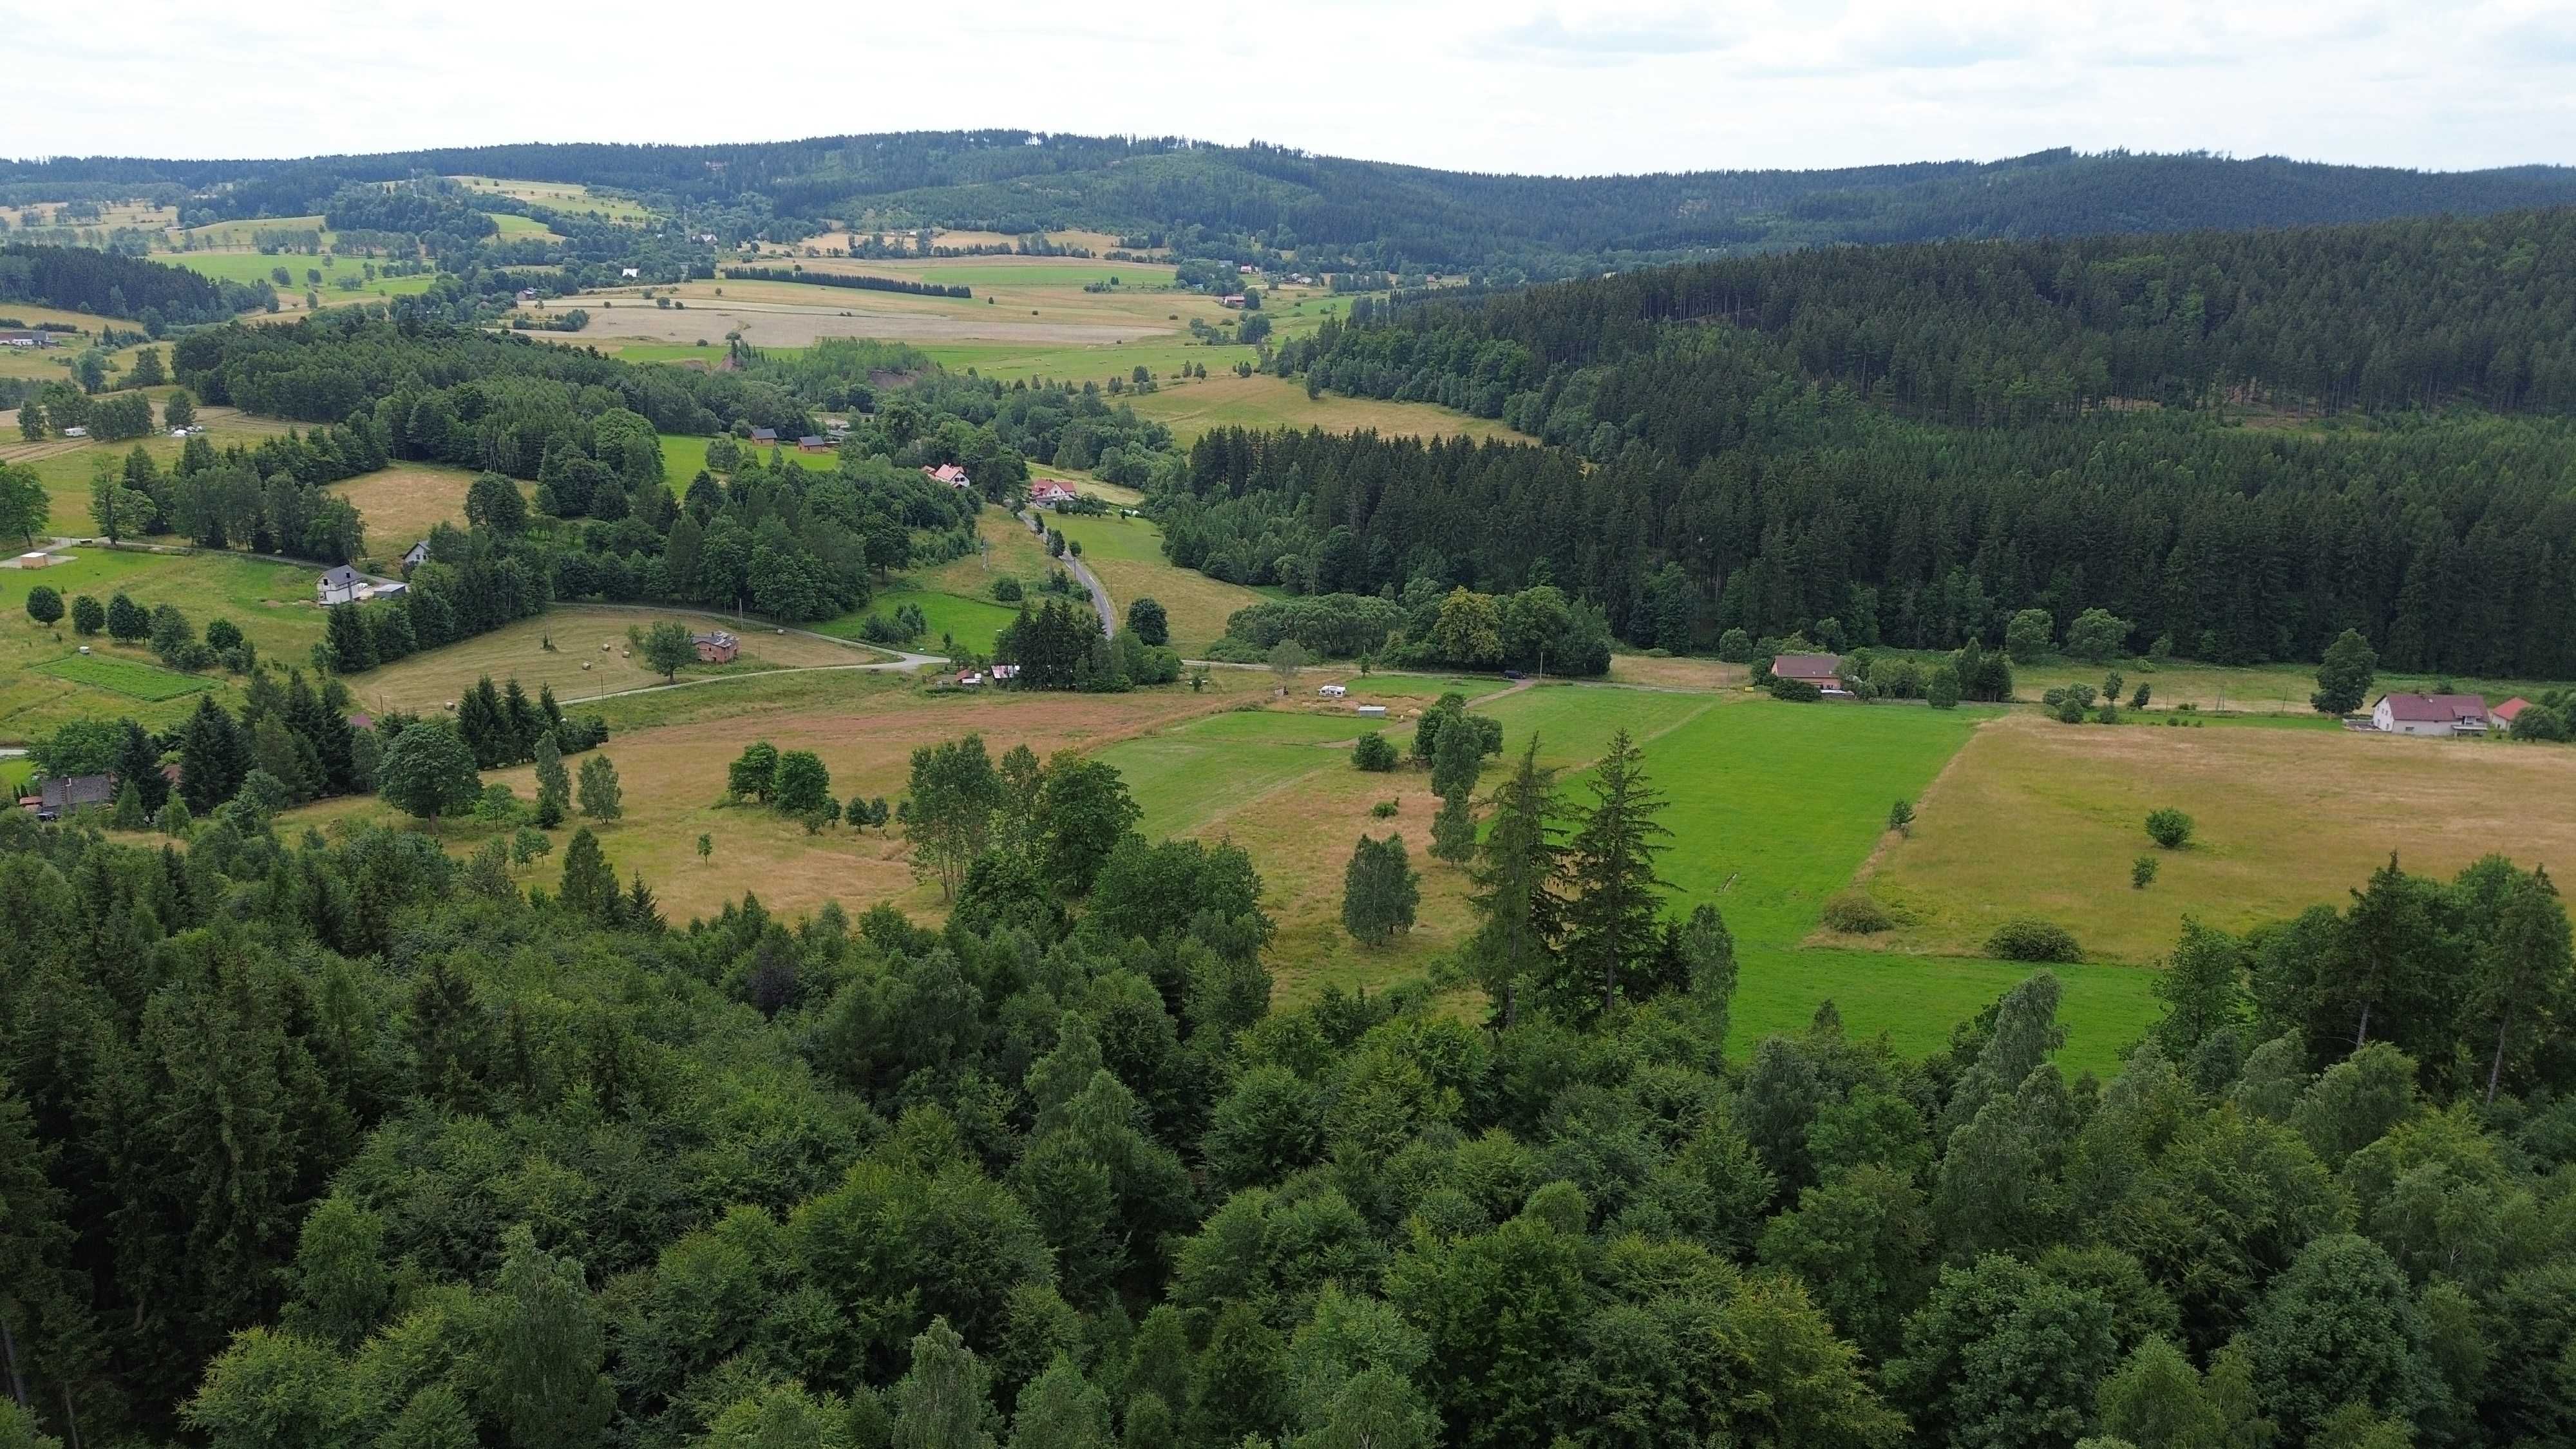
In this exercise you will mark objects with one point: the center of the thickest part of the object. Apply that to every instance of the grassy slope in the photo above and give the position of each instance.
(1127, 554)
(272, 603)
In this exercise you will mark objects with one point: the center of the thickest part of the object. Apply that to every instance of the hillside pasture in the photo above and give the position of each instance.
(133, 678)
(1266, 401)
(2039, 818)
(63, 464)
(567, 196)
(1127, 554)
(590, 656)
(272, 603)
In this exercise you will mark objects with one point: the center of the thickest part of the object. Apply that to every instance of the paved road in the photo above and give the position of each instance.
(1082, 571)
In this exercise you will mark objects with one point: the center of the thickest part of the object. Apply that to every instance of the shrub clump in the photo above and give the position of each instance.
(2030, 939)
(2169, 828)
(1855, 913)
(1374, 752)
(1796, 691)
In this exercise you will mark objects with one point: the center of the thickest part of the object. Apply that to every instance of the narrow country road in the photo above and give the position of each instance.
(1082, 571)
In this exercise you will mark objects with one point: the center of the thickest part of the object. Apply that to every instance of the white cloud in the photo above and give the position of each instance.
(1557, 86)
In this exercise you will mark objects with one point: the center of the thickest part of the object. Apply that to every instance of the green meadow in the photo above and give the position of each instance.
(130, 677)
(684, 456)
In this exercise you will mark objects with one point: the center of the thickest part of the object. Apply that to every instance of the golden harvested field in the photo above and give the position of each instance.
(578, 667)
(403, 503)
(2037, 818)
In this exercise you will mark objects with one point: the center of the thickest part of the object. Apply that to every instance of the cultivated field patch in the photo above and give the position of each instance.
(270, 602)
(2039, 818)
(1265, 401)
(132, 678)
(401, 504)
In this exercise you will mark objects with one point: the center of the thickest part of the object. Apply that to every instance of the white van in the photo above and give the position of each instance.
(1332, 691)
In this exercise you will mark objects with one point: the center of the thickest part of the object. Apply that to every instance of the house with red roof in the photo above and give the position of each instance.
(1047, 492)
(2502, 716)
(2430, 714)
(1824, 671)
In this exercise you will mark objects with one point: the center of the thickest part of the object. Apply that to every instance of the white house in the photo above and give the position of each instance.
(337, 586)
(2430, 714)
(630, 272)
(1047, 492)
(416, 555)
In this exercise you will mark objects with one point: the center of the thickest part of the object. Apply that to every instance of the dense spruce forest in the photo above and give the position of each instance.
(1907, 445)
(315, 1142)
(1261, 200)
(78, 279)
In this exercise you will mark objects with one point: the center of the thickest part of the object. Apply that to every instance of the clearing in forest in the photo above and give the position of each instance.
(2041, 818)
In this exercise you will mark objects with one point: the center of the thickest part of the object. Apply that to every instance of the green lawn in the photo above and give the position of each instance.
(130, 677)
(272, 603)
(683, 456)
(972, 622)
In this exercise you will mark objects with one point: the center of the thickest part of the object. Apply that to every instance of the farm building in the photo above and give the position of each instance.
(1824, 671)
(764, 435)
(416, 555)
(16, 338)
(950, 474)
(812, 444)
(1372, 711)
(1230, 299)
(718, 647)
(60, 797)
(37, 560)
(339, 585)
(1048, 492)
(527, 296)
(2430, 714)
(2502, 716)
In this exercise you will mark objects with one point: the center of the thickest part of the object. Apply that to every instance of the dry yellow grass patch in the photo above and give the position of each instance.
(591, 656)
(400, 505)
(1693, 674)
(1266, 401)
(2038, 818)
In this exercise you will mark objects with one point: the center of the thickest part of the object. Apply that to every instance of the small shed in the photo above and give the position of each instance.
(36, 560)
(1372, 711)
(718, 647)
(812, 444)
(764, 435)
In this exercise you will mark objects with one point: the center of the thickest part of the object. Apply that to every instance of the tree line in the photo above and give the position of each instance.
(347, 1140)
(79, 279)
(905, 285)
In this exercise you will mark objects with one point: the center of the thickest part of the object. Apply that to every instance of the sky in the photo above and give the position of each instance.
(1488, 85)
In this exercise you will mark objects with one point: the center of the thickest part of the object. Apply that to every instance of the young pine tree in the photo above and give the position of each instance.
(554, 786)
(1519, 879)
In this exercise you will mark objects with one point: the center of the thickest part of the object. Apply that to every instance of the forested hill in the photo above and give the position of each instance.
(1273, 199)
(2394, 314)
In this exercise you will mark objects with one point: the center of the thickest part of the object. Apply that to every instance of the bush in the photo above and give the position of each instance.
(1006, 589)
(1385, 809)
(1942, 689)
(1374, 752)
(1796, 691)
(2169, 828)
(2031, 939)
(2142, 872)
(1854, 913)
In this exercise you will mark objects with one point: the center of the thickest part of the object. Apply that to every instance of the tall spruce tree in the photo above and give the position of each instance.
(1610, 922)
(1520, 884)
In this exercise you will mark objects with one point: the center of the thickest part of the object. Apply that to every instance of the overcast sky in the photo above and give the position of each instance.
(1482, 84)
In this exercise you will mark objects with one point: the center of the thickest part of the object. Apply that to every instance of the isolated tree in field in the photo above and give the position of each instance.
(2345, 674)
(1288, 659)
(31, 421)
(667, 647)
(45, 605)
(554, 784)
(428, 771)
(148, 371)
(803, 786)
(601, 800)
(88, 615)
(494, 502)
(528, 846)
(180, 411)
(24, 506)
(754, 773)
(954, 792)
(2027, 637)
(1453, 830)
(1146, 621)
(1374, 752)
(1519, 880)
(1900, 817)
(1610, 923)
(2169, 828)
(1380, 891)
(706, 848)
